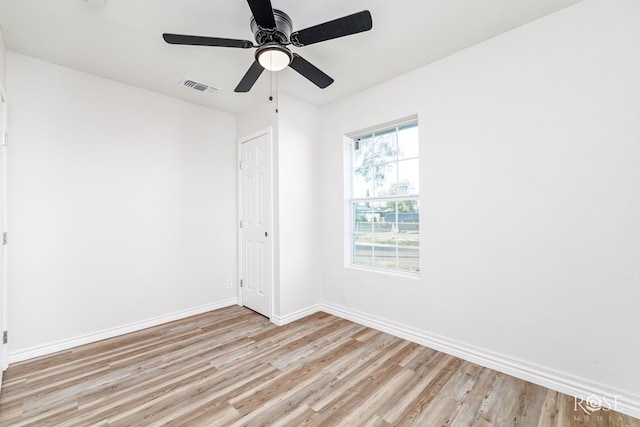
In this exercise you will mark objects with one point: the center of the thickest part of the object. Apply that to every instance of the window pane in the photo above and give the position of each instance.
(385, 252)
(408, 218)
(364, 222)
(363, 218)
(377, 213)
(403, 213)
(362, 179)
(409, 252)
(362, 185)
(387, 184)
(385, 154)
(408, 222)
(386, 146)
(408, 141)
(408, 177)
(362, 249)
(362, 148)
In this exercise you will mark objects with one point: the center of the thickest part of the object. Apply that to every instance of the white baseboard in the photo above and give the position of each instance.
(49, 348)
(283, 320)
(625, 402)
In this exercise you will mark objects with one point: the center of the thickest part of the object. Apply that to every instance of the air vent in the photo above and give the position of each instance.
(200, 87)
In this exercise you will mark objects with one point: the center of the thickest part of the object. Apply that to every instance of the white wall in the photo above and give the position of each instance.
(3, 298)
(262, 116)
(299, 231)
(295, 135)
(530, 200)
(3, 61)
(122, 205)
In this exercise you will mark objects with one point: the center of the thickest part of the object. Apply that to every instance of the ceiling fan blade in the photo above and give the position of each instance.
(250, 78)
(262, 13)
(310, 71)
(345, 26)
(205, 41)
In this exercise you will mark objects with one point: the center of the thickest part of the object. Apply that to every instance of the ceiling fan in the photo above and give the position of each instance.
(272, 31)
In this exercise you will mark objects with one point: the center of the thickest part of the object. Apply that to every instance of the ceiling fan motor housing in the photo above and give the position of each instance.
(279, 35)
(273, 32)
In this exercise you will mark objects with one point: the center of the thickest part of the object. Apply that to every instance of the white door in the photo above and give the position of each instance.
(4, 360)
(255, 215)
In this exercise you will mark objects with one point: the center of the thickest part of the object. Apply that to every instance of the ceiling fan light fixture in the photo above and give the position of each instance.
(274, 57)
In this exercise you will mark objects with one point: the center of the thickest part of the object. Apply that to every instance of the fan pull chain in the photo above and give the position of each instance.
(270, 85)
(277, 94)
(271, 94)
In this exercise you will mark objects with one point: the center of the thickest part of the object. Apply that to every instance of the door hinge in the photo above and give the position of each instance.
(240, 282)
(240, 164)
(5, 337)
(240, 223)
(5, 138)
(4, 237)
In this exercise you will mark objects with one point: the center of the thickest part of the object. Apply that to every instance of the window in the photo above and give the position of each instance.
(384, 199)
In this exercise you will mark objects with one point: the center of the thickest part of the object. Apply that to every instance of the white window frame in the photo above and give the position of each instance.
(349, 199)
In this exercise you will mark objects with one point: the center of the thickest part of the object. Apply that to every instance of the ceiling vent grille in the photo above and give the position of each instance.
(200, 87)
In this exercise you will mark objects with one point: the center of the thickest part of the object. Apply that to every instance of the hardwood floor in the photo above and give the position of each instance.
(232, 367)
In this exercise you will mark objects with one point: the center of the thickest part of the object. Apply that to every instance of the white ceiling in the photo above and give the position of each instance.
(122, 41)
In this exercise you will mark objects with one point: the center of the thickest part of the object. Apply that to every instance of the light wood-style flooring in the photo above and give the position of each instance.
(232, 367)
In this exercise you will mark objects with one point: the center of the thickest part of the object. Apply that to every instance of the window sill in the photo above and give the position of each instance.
(404, 275)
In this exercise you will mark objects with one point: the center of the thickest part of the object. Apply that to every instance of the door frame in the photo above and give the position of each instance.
(269, 133)
(4, 286)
